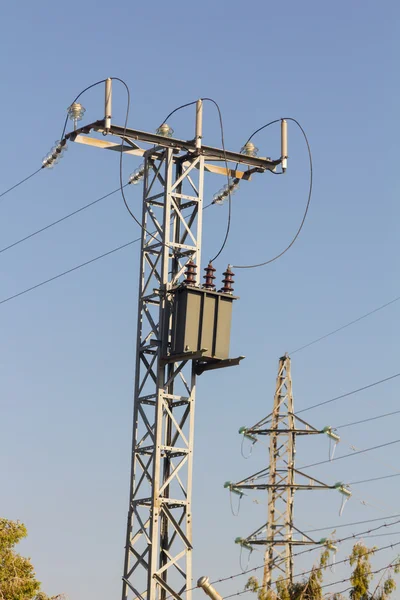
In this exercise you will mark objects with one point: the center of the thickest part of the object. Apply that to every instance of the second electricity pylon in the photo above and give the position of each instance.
(158, 551)
(278, 534)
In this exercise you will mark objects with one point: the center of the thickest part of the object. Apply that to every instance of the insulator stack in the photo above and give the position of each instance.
(190, 274)
(55, 154)
(209, 277)
(228, 281)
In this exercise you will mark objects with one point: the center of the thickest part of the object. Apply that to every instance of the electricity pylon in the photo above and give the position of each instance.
(278, 534)
(158, 551)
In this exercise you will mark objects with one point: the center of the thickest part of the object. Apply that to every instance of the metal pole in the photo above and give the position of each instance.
(199, 123)
(108, 105)
(284, 145)
(208, 589)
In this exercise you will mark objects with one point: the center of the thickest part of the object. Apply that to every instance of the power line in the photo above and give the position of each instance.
(395, 412)
(323, 337)
(228, 225)
(75, 212)
(323, 462)
(20, 182)
(77, 98)
(373, 478)
(351, 524)
(88, 262)
(371, 551)
(318, 547)
(366, 387)
(178, 108)
(77, 266)
(267, 262)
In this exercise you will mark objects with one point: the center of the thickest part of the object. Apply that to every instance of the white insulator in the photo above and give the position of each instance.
(165, 130)
(249, 149)
(76, 111)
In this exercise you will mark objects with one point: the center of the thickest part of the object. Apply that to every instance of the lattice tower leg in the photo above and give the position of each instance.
(158, 550)
(281, 460)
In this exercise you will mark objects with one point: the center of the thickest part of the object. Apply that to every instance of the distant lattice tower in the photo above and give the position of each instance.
(278, 534)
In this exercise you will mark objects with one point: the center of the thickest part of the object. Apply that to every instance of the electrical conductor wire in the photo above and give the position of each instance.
(75, 212)
(323, 462)
(365, 387)
(20, 182)
(395, 412)
(77, 98)
(228, 225)
(267, 262)
(323, 337)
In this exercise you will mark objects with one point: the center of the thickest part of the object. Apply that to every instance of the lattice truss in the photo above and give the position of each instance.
(159, 541)
(281, 479)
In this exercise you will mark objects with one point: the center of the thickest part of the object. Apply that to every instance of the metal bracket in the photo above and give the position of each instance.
(184, 356)
(201, 367)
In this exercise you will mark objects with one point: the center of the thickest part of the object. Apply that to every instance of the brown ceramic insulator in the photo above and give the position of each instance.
(209, 277)
(190, 274)
(227, 281)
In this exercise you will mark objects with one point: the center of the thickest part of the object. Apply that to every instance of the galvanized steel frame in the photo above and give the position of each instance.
(158, 553)
(278, 532)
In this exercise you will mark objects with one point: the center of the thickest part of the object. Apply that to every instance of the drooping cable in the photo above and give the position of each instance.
(77, 98)
(20, 182)
(226, 165)
(121, 185)
(228, 225)
(361, 389)
(267, 262)
(178, 108)
(323, 337)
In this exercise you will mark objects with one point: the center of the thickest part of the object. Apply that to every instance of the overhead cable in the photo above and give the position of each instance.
(323, 462)
(77, 98)
(323, 337)
(338, 526)
(228, 225)
(267, 262)
(373, 478)
(302, 573)
(88, 262)
(20, 182)
(75, 212)
(395, 412)
(365, 387)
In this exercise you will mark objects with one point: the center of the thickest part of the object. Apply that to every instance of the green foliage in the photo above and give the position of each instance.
(361, 576)
(17, 576)
(311, 588)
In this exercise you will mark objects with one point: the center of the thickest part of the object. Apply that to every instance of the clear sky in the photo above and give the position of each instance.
(67, 351)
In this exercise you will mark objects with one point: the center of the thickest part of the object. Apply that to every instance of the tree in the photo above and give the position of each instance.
(17, 576)
(312, 588)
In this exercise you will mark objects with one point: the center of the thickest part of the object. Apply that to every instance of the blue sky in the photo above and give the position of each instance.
(67, 352)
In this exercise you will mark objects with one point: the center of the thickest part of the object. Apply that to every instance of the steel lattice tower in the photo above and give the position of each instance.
(158, 550)
(278, 534)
